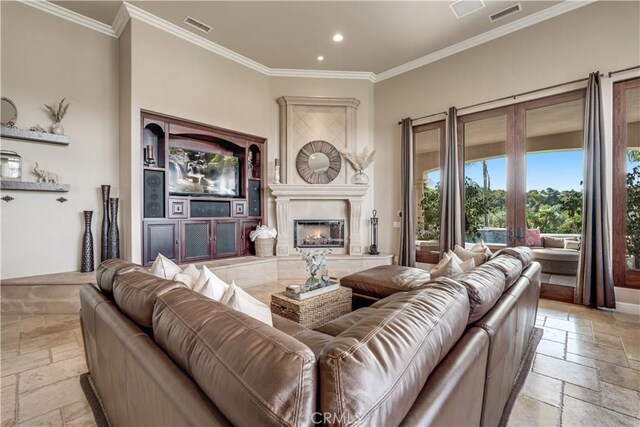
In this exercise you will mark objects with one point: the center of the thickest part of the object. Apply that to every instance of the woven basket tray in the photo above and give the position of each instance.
(264, 247)
(313, 312)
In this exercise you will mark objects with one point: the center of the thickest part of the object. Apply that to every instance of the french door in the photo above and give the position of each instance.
(523, 173)
(626, 183)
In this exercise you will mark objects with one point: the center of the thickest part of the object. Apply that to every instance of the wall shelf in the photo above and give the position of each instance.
(28, 135)
(34, 186)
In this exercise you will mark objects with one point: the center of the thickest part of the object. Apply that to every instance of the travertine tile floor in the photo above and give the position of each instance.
(586, 371)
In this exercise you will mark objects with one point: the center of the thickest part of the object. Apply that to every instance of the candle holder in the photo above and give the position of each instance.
(149, 161)
(373, 248)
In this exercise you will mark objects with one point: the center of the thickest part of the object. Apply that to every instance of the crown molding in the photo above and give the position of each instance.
(69, 15)
(527, 21)
(128, 11)
(322, 74)
(149, 18)
(121, 20)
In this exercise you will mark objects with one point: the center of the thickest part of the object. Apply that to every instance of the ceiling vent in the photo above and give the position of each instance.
(197, 24)
(505, 12)
(462, 8)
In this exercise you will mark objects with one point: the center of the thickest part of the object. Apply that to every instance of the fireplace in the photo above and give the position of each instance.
(318, 233)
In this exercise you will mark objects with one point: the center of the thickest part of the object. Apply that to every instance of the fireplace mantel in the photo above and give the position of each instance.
(318, 191)
(284, 193)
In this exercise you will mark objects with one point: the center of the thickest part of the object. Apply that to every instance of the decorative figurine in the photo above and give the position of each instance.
(276, 172)
(45, 176)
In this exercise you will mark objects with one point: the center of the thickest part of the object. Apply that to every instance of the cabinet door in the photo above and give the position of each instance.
(160, 237)
(226, 238)
(196, 240)
(255, 197)
(247, 247)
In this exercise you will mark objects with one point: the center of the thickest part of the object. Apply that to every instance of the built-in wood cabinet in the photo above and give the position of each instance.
(202, 189)
(160, 237)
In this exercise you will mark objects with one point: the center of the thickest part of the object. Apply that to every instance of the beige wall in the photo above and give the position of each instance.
(362, 90)
(603, 36)
(45, 58)
(172, 76)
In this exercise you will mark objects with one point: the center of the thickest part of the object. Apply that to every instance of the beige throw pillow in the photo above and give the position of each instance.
(481, 246)
(466, 254)
(447, 267)
(165, 268)
(239, 300)
(572, 244)
(464, 265)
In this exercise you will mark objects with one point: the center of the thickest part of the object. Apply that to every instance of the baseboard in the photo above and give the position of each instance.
(625, 307)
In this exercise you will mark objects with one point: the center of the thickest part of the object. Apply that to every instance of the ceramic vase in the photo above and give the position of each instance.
(360, 178)
(87, 244)
(57, 129)
(114, 233)
(104, 249)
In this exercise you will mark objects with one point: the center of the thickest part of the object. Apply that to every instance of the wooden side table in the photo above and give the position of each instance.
(315, 311)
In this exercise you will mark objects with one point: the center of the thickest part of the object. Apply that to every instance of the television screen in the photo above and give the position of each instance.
(193, 172)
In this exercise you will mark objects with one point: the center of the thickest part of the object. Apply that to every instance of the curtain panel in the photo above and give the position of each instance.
(452, 207)
(407, 253)
(595, 280)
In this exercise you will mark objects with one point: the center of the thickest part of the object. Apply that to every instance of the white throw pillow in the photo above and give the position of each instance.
(165, 268)
(239, 300)
(213, 288)
(447, 267)
(572, 244)
(205, 273)
(189, 276)
(465, 254)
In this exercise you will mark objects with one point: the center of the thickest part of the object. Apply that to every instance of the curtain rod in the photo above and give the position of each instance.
(611, 73)
(425, 117)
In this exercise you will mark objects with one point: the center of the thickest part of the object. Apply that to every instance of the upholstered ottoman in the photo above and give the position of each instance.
(378, 282)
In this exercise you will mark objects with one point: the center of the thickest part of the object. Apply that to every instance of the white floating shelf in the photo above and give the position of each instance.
(28, 135)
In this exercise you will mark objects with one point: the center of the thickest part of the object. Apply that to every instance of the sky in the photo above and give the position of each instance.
(561, 170)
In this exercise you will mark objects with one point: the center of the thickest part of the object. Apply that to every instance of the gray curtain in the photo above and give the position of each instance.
(452, 208)
(595, 281)
(407, 256)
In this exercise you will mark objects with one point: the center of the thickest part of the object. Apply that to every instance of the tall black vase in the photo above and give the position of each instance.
(87, 244)
(114, 233)
(104, 250)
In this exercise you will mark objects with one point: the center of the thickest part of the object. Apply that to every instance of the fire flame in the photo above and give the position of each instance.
(315, 235)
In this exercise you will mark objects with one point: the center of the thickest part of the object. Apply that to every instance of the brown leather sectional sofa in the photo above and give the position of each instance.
(444, 353)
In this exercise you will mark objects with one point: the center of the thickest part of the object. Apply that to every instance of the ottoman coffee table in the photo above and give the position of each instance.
(313, 312)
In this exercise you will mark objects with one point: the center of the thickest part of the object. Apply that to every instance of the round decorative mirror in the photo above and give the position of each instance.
(9, 112)
(318, 162)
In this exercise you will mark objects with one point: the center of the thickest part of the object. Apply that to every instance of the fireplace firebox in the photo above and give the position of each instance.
(318, 233)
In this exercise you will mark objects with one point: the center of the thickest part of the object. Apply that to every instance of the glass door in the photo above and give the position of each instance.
(429, 142)
(488, 141)
(549, 210)
(626, 183)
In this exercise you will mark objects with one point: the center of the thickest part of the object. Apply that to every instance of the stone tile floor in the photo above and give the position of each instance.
(586, 371)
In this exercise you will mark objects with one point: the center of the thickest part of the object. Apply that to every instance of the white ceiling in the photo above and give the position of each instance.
(378, 35)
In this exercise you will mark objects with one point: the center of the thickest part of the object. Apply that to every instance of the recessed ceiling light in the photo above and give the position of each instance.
(337, 37)
(320, 58)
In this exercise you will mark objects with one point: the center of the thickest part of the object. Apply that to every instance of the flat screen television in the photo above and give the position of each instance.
(198, 173)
